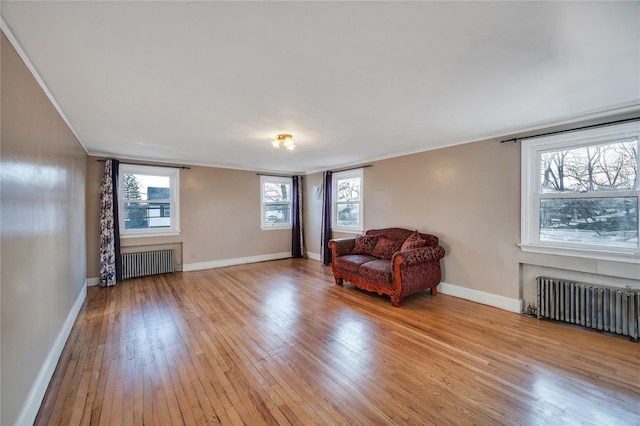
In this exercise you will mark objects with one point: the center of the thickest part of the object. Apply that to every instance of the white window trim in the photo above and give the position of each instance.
(349, 174)
(274, 226)
(530, 187)
(174, 202)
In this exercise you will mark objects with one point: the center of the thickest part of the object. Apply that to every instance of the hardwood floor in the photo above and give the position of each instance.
(279, 343)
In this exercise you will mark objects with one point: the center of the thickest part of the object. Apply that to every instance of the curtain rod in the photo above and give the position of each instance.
(268, 174)
(353, 168)
(153, 165)
(626, 120)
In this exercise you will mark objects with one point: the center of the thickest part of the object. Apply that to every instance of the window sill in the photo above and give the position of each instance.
(347, 230)
(582, 253)
(151, 234)
(275, 228)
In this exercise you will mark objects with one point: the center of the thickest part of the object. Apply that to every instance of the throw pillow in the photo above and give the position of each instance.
(413, 241)
(386, 247)
(364, 244)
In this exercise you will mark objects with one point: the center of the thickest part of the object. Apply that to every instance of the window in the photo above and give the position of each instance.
(580, 193)
(149, 204)
(347, 201)
(275, 196)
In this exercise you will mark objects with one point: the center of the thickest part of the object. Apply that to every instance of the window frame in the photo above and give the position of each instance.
(531, 194)
(174, 201)
(264, 225)
(337, 176)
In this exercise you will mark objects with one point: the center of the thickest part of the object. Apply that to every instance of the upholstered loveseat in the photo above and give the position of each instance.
(393, 261)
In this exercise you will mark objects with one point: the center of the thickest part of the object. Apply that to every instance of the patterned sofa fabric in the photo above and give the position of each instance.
(407, 272)
(352, 262)
(378, 271)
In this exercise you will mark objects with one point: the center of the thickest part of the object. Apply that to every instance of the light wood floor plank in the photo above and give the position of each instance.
(278, 343)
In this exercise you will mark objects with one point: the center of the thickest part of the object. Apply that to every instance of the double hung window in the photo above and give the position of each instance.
(580, 193)
(347, 201)
(275, 196)
(149, 201)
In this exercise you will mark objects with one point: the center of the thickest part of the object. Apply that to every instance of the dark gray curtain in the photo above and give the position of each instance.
(325, 236)
(110, 263)
(115, 179)
(297, 232)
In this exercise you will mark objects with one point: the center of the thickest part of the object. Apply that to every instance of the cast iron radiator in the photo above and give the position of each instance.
(616, 310)
(147, 263)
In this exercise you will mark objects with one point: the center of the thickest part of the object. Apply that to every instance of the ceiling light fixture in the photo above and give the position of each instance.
(284, 140)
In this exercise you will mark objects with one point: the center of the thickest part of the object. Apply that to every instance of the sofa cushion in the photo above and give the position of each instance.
(414, 241)
(377, 271)
(351, 262)
(364, 244)
(385, 248)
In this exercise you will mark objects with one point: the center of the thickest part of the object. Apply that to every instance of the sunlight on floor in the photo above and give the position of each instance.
(558, 401)
(350, 341)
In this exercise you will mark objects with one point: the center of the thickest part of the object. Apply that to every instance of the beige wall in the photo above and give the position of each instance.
(468, 196)
(312, 213)
(219, 218)
(43, 230)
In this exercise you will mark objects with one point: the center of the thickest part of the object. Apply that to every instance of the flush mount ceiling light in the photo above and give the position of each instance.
(284, 140)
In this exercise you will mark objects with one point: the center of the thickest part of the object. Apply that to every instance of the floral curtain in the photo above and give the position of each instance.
(325, 236)
(110, 268)
(297, 237)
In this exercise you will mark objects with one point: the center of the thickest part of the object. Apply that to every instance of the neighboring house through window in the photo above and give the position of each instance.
(149, 200)
(580, 193)
(275, 202)
(347, 201)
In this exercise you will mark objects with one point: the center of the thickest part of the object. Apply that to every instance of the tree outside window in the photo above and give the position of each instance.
(135, 213)
(580, 192)
(347, 209)
(149, 203)
(607, 219)
(275, 202)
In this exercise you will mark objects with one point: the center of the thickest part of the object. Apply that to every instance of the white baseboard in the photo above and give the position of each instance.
(39, 388)
(198, 266)
(313, 256)
(236, 261)
(512, 305)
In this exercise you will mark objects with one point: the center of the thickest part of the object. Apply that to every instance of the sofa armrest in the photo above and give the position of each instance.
(417, 269)
(342, 246)
(419, 255)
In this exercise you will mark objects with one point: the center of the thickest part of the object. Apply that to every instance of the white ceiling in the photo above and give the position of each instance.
(212, 83)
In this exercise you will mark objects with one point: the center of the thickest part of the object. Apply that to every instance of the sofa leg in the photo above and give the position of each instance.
(339, 281)
(395, 301)
(434, 291)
